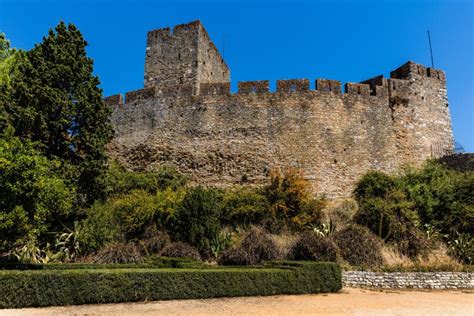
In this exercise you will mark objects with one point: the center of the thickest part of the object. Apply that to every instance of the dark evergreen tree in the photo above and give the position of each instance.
(57, 102)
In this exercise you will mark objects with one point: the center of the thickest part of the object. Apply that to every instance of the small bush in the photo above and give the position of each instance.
(197, 219)
(235, 256)
(461, 246)
(256, 247)
(310, 246)
(260, 246)
(292, 206)
(413, 243)
(127, 217)
(118, 253)
(359, 246)
(154, 241)
(243, 206)
(181, 250)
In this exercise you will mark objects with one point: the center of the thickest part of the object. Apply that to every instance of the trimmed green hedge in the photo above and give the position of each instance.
(150, 263)
(81, 286)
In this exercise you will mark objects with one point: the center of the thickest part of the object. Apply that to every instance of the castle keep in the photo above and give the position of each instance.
(186, 117)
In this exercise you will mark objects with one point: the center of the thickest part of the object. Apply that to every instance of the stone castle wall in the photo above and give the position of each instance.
(219, 138)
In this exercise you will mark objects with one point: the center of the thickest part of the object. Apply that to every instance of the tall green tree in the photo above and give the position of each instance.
(33, 198)
(57, 102)
(10, 61)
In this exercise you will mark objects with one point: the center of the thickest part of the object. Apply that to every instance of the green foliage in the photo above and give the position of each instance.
(244, 206)
(10, 62)
(32, 196)
(311, 246)
(359, 246)
(99, 228)
(291, 204)
(68, 245)
(127, 217)
(443, 197)
(74, 287)
(66, 249)
(326, 229)
(386, 211)
(374, 184)
(220, 243)
(396, 208)
(56, 101)
(120, 181)
(462, 247)
(197, 220)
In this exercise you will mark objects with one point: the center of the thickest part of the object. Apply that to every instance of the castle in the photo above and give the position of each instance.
(186, 117)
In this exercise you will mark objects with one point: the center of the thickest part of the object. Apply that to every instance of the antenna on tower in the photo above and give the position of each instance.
(431, 50)
(223, 45)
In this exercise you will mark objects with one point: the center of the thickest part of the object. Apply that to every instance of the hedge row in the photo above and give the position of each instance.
(81, 286)
(150, 263)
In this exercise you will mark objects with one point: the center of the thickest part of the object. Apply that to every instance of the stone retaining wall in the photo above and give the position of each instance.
(409, 280)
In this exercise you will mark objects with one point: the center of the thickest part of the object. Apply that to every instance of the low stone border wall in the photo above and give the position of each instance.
(409, 280)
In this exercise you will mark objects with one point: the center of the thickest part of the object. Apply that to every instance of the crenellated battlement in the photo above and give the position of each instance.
(399, 83)
(187, 117)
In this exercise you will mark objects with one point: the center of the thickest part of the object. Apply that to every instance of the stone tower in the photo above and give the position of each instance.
(183, 59)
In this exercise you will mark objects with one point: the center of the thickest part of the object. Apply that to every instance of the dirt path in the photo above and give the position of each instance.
(347, 302)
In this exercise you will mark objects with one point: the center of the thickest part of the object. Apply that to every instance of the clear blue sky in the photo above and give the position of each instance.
(342, 40)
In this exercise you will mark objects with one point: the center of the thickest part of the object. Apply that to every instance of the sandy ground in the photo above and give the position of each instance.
(348, 302)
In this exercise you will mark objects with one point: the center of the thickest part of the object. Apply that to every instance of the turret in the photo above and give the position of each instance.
(183, 59)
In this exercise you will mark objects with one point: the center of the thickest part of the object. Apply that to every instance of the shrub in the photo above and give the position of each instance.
(181, 250)
(127, 217)
(73, 287)
(244, 206)
(118, 253)
(462, 247)
(291, 204)
(413, 243)
(256, 247)
(359, 246)
(260, 246)
(119, 219)
(235, 256)
(99, 228)
(197, 219)
(443, 197)
(374, 184)
(154, 241)
(134, 212)
(310, 246)
(121, 181)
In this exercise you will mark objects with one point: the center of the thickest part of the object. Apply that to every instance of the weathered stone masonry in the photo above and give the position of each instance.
(409, 280)
(186, 117)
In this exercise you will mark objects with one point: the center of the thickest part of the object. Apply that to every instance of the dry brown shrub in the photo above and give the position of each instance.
(359, 246)
(117, 253)
(181, 250)
(256, 247)
(310, 246)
